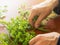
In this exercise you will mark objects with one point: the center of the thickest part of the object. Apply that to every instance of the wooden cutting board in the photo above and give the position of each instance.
(54, 24)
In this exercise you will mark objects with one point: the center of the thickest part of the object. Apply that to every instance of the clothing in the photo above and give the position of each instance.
(57, 9)
(58, 41)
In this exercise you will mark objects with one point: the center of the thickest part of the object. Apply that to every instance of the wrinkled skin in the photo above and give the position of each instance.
(45, 39)
(42, 10)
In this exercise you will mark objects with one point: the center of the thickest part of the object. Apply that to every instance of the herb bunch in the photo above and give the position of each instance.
(19, 28)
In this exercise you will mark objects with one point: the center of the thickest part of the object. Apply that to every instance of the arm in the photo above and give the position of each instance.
(46, 3)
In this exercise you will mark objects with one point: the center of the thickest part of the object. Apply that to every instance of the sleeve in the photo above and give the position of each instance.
(57, 9)
(58, 41)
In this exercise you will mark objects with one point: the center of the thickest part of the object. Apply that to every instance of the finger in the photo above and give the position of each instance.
(40, 18)
(43, 42)
(35, 39)
(32, 14)
(52, 35)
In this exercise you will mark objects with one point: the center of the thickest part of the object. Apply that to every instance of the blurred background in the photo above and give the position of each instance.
(12, 6)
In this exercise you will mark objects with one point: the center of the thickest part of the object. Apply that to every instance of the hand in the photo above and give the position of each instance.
(42, 10)
(45, 39)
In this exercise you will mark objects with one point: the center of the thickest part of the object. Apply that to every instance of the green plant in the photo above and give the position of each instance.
(18, 28)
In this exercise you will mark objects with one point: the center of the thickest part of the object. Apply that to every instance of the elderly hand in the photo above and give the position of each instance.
(41, 10)
(45, 39)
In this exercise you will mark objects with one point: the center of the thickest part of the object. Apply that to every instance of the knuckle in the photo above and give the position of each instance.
(39, 35)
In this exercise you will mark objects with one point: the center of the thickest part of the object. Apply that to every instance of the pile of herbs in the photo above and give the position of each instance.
(18, 28)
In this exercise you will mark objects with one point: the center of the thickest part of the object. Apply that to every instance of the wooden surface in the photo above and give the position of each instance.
(54, 24)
